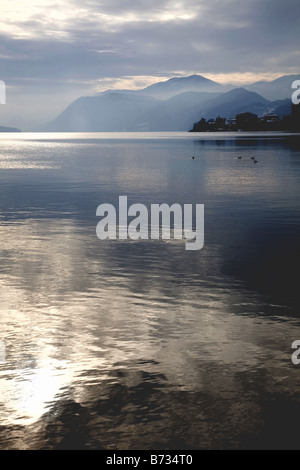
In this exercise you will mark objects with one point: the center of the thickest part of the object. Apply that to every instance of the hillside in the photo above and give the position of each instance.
(173, 105)
(9, 129)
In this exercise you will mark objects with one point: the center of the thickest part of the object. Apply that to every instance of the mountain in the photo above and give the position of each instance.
(176, 86)
(134, 110)
(176, 114)
(173, 105)
(180, 112)
(278, 89)
(282, 107)
(234, 102)
(108, 112)
(9, 129)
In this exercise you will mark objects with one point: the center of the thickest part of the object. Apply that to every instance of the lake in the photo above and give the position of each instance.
(141, 344)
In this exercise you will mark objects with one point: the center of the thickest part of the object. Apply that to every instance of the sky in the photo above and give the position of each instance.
(54, 51)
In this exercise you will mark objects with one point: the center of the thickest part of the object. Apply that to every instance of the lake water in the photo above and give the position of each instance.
(123, 344)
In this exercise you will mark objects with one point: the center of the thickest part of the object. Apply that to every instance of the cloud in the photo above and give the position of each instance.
(55, 46)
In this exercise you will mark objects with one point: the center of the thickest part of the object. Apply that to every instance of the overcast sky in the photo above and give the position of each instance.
(52, 52)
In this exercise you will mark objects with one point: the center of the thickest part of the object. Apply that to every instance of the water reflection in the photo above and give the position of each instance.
(130, 345)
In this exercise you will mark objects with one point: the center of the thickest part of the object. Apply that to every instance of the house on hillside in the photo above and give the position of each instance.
(270, 118)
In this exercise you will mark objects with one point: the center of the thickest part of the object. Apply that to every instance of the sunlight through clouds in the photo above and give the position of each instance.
(23, 19)
(127, 82)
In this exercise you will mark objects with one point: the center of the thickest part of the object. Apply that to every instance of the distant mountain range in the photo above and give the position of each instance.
(9, 129)
(173, 105)
(278, 89)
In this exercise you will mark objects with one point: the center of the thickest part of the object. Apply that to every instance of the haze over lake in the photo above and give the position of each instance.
(122, 344)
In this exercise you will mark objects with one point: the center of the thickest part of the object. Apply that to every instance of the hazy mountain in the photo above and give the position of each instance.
(167, 106)
(181, 112)
(177, 113)
(108, 112)
(242, 101)
(9, 129)
(234, 102)
(278, 89)
(176, 86)
(282, 107)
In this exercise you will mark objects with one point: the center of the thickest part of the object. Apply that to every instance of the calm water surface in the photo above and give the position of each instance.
(142, 344)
